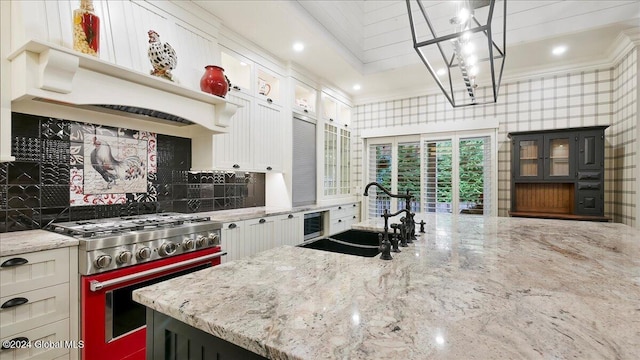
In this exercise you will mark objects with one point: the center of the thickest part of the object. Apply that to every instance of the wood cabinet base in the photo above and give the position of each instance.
(533, 214)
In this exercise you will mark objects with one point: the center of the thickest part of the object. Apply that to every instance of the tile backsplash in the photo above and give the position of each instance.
(65, 170)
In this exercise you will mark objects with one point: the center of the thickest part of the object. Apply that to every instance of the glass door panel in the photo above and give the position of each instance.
(437, 167)
(559, 157)
(345, 161)
(330, 159)
(380, 169)
(474, 174)
(528, 150)
(409, 173)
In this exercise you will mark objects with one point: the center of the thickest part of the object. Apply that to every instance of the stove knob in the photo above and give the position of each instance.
(188, 244)
(214, 239)
(124, 257)
(167, 248)
(144, 253)
(200, 241)
(103, 261)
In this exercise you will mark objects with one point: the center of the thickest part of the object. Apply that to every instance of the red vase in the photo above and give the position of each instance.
(213, 81)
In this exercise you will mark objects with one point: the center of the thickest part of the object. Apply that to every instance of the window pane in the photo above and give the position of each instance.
(330, 159)
(380, 172)
(409, 173)
(345, 164)
(474, 167)
(437, 172)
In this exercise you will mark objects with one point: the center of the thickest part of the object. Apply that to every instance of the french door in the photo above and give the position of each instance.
(447, 173)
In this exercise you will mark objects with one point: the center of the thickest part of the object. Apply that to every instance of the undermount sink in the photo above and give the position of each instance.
(350, 242)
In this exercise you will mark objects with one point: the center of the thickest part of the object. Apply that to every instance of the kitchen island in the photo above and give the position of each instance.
(470, 287)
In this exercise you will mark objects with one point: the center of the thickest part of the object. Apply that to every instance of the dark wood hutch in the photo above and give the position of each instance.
(558, 173)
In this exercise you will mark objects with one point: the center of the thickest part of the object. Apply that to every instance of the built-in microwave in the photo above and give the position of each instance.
(313, 225)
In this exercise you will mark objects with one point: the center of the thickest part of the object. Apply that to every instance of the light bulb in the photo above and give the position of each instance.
(473, 71)
(463, 15)
(472, 60)
(468, 48)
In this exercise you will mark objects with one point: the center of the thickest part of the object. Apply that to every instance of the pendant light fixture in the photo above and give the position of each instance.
(462, 44)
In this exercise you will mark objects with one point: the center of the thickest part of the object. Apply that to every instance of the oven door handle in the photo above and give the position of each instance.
(95, 285)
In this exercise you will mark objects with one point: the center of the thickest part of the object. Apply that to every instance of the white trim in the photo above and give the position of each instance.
(475, 124)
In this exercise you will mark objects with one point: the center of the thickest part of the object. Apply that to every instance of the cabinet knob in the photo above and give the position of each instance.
(339, 207)
(330, 119)
(269, 100)
(262, 221)
(339, 220)
(354, 205)
(290, 216)
(306, 111)
(269, 168)
(232, 226)
(236, 166)
(14, 262)
(14, 302)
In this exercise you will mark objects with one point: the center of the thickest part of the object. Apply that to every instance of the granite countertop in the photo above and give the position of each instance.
(258, 212)
(471, 287)
(22, 242)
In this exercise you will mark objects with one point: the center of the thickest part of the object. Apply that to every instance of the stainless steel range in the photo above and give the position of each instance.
(120, 255)
(114, 243)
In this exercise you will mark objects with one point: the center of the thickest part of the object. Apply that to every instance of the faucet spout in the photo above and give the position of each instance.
(376, 184)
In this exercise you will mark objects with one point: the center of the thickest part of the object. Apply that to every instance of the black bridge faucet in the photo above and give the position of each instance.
(407, 234)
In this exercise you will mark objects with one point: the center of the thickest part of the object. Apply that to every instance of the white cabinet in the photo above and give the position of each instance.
(259, 235)
(342, 217)
(337, 160)
(334, 110)
(254, 141)
(304, 99)
(290, 229)
(39, 298)
(232, 241)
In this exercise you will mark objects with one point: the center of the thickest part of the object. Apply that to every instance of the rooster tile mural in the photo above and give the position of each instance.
(66, 170)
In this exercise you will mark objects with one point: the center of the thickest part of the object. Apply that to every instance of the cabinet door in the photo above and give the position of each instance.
(234, 150)
(259, 235)
(232, 241)
(527, 157)
(590, 202)
(591, 150)
(291, 232)
(267, 137)
(559, 155)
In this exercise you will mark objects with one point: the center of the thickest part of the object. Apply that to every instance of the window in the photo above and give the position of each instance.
(447, 174)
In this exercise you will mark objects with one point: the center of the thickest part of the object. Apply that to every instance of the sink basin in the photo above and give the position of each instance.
(350, 242)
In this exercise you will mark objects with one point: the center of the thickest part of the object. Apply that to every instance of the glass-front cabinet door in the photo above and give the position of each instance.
(528, 159)
(558, 155)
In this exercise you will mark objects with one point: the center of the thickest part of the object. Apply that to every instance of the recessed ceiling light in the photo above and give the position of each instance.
(441, 71)
(298, 47)
(242, 63)
(357, 87)
(559, 50)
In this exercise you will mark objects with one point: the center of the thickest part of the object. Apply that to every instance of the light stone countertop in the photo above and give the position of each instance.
(22, 242)
(471, 287)
(258, 212)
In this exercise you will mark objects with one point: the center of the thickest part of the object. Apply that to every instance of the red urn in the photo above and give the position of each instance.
(213, 81)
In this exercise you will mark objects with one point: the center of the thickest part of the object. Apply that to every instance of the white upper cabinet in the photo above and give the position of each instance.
(304, 98)
(335, 111)
(254, 140)
(238, 70)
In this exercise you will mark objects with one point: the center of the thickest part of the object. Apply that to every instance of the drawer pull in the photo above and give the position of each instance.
(236, 166)
(15, 343)
(14, 262)
(290, 216)
(354, 216)
(339, 207)
(14, 302)
(232, 226)
(340, 220)
(354, 205)
(262, 221)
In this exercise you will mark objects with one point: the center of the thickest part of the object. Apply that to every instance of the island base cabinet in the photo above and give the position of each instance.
(171, 339)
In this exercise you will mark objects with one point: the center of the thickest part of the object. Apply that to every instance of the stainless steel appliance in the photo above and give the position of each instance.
(119, 255)
(313, 225)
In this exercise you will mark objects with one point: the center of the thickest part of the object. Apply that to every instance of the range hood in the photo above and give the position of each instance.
(51, 74)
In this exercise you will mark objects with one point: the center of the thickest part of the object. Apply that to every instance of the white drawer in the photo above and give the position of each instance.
(343, 211)
(55, 333)
(42, 269)
(44, 306)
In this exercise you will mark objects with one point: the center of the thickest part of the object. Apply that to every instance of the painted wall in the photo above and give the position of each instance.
(605, 96)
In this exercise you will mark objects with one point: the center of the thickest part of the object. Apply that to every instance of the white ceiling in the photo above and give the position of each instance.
(369, 41)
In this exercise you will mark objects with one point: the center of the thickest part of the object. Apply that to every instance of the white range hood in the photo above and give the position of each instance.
(51, 74)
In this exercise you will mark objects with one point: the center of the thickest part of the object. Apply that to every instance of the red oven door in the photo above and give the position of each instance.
(112, 324)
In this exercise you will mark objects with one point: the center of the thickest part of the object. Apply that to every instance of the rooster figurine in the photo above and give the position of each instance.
(162, 56)
(112, 169)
